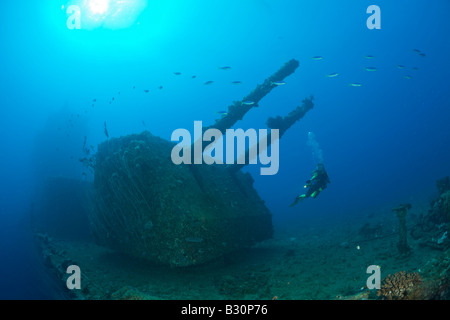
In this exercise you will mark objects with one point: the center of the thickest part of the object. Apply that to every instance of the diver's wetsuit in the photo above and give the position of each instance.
(316, 184)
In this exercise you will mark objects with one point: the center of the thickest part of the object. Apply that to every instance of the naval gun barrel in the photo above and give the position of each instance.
(282, 124)
(238, 109)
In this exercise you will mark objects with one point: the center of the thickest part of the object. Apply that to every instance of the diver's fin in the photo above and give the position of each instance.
(293, 203)
(297, 200)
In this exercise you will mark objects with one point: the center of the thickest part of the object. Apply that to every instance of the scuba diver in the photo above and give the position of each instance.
(316, 184)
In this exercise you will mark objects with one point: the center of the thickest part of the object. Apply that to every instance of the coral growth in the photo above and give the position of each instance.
(443, 185)
(429, 225)
(445, 198)
(443, 201)
(400, 286)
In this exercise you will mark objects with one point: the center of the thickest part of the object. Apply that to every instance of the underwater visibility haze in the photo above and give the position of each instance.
(103, 102)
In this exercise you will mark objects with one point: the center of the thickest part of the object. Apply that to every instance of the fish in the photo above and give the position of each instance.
(236, 82)
(146, 91)
(317, 58)
(400, 66)
(423, 55)
(177, 73)
(369, 57)
(106, 131)
(278, 83)
(134, 87)
(407, 77)
(248, 103)
(193, 77)
(160, 87)
(208, 82)
(225, 68)
(416, 51)
(143, 123)
(332, 75)
(371, 69)
(415, 68)
(355, 84)
(224, 113)
(95, 100)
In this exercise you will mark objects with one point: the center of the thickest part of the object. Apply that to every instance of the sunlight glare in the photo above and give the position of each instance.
(98, 6)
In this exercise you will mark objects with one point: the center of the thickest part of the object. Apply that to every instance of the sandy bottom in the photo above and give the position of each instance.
(323, 260)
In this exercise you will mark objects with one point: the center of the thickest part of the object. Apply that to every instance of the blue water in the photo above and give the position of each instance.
(386, 141)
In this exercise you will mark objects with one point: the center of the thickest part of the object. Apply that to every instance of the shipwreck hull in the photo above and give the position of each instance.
(180, 215)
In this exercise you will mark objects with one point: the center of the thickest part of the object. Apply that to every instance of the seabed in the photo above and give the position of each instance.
(319, 261)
